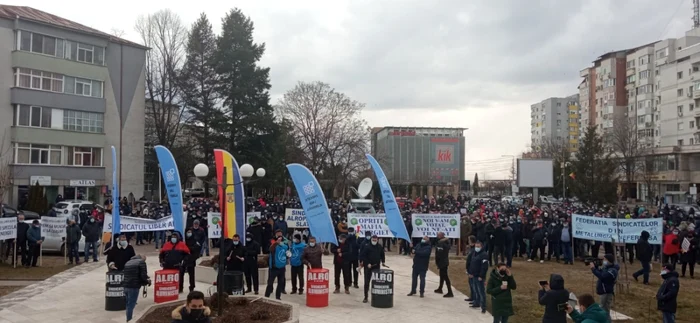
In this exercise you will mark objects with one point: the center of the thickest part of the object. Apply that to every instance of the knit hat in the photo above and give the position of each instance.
(610, 258)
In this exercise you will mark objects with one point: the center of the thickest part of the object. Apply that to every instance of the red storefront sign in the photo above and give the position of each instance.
(402, 133)
(167, 285)
(317, 281)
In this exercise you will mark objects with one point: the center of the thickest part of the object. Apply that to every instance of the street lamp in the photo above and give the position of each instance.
(246, 171)
(512, 172)
(564, 165)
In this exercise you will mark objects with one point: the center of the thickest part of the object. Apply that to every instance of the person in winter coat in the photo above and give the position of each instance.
(354, 256)
(478, 267)
(173, 252)
(607, 277)
(499, 244)
(472, 294)
(672, 246)
(341, 263)
(421, 261)
(135, 276)
(190, 262)
(668, 291)
(235, 254)
(91, 232)
(371, 257)
(689, 257)
(296, 261)
(312, 254)
(538, 242)
(553, 296)
(442, 261)
(278, 261)
(35, 240)
(490, 232)
(500, 283)
(193, 311)
(117, 256)
(21, 240)
(73, 236)
(589, 311)
(250, 265)
(554, 239)
(644, 255)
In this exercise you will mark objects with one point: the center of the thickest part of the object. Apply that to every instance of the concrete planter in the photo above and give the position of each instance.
(205, 274)
(263, 274)
(294, 315)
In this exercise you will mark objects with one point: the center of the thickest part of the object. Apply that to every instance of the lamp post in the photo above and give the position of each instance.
(563, 180)
(512, 172)
(246, 171)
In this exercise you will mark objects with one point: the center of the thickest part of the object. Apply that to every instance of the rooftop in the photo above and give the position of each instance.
(42, 17)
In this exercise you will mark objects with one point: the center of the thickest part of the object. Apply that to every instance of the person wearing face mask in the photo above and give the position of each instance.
(280, 225)
(91, 232)
(644, 255)
(353, 256)
(119, 255)
(672, 246)
(250, 265)
(312, 254)
(565, 242)
(421, 261)
(371, 257)
(199, 235)
(35, 240)
(295, 261)
(607, 277)
(278, 262)
(553, 239)
(688, 257)
(73, 236)
(667, 294)
(442, 261)
(341, 263)
(499, 286)
(538, 241)
(478, 267)
(235, 255)
(589, 311)
(135, 276)
(173, 252)
(190, 262)
(470, 256)
(193, 311)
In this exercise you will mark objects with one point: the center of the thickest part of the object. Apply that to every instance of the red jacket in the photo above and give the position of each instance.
(172, 255)
(671, 244)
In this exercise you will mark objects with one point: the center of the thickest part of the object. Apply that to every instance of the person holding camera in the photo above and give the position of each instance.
(607, 277)
(500, 284)
(589, 311)
(554, 297)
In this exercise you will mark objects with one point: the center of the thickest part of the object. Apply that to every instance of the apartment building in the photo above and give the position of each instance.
(642, 74)
(555, 120)
(73, 93)
(587, 101)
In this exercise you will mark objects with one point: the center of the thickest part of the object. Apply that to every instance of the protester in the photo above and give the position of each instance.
(200, 236)
(421, 261)
(353, 256)
(565, 242)
(607, 277)
(689, 255)
(553, 296)
(499, 286)
(35, 240)
(472, 293)
(250, 265)
(173, 252)
(91, 231)
(672, 247)
(370, 258)
(312, 254)
(119, 255)
(295, 261)
(589, 311)
(235, 255)
(478, 267)
(190, 262)
(442, 260)
(644, 255)
(538, 241)
(21, 241)
(341, 263)
(193, 311)
(135, 276)
(278, 261)
(73, 236)
(668, 291)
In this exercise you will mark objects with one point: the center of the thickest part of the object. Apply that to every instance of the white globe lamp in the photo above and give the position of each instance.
(201, 170)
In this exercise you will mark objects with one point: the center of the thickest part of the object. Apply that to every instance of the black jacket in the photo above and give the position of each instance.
(135, 273)
(22, 233)
(442, 253)
(252, 249)
(539, 234)
(73, 234)
(478, 264)
(668, 291)
(499, 238)
(91, 231)
(553, 300)
(354, 252)
(421, 257)
(120, 256)
(195, 249)
(644, 250)
(345, 249)
(234, 252)
(372, 255)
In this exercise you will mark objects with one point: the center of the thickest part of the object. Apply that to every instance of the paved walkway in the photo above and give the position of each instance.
(77, 296)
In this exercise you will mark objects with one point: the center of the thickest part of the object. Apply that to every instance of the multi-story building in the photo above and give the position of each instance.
(74, 92)
(432, 158)
(587, 101)
(555, 120)
(640, 85)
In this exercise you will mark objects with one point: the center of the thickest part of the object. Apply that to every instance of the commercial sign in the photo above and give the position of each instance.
(82, 182)
(375, 223)
(430, 224)
(8, 228)
(403, 133)
(41, 180)
(620, 230)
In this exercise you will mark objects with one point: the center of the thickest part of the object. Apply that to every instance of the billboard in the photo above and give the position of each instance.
(537, 173)
(444, 159)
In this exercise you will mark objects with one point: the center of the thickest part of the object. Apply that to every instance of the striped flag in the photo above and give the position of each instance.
(231, 197)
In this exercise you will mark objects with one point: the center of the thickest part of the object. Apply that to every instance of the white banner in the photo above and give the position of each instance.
(8, 228)
(296, 218)
(53, 227)
(214, 225)
(130, 224)
(373, 222)
(622, 230)
(430, 224)
(250, 216)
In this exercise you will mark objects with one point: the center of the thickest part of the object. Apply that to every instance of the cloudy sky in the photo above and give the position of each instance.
(477, 64)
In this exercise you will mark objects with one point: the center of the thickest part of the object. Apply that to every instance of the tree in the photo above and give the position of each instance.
(624, 139)
(6, 154)
(595, 169)
(37, 199)
(646, 168)
(476, 184)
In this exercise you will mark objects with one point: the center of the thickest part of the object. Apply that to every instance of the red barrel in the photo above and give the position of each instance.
(317, 281)
(167, 285)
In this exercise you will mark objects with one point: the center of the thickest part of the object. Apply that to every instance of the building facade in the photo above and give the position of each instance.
(74, 92)
(555, 120)
(640, 84)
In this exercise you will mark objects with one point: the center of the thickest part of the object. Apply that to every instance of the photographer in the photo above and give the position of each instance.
(554, 297)
(590, 312)
(607, 277)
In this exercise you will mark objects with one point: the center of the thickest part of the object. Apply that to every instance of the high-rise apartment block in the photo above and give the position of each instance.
(555, 120)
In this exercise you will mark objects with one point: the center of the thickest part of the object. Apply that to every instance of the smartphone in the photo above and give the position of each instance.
(505, 283)
(543, 282)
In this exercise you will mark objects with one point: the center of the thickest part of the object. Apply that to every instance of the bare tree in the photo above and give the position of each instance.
(626, 143)
(646, 169)
(5, 166)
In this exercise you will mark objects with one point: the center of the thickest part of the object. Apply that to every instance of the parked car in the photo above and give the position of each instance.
(9, 211)
(64, 208)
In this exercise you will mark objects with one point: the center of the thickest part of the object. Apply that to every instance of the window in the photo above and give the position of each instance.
(680, 126)
(644, 60)
(630, 79)
(662, 53)
(644, 74)
(38, 80)
(84, 156)
(84, 87)
(680, 75)
(630, 64)
(679, 92)
(691, 124)
(691, 107)
(680, 142)
(32, 116)
(83, 121)
(37, 43)
(84, 53)
(645, 89)
(690, 141)
(37, 154)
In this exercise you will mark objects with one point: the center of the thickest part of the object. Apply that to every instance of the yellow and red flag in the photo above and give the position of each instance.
(231, 197)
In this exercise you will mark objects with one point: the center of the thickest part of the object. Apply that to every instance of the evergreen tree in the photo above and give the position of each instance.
(37, 199)
(595, 170)
(475, 186)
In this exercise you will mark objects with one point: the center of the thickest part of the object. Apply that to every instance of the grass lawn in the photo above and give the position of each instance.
(638, 302)
(50, 266)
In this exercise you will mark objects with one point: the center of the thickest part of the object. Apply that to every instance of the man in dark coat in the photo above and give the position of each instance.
(190, 262)
(250, 264)
(118, 255)
(421, 260)
(341, 263)
(73, 236)
(668, 291)
(644, 255)
(371, 257)
(478, 267)
(552, 296)
(91, 231)
(442, 260)
(22, 240)
(353, 256)
(235, 255)
(135, 276)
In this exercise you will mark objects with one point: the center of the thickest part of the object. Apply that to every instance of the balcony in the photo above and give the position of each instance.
(631, 71)
(584, 72)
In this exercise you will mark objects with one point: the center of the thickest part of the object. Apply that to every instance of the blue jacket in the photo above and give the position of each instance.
(297, 252)
(34, 235)
(607, 277)
(279, 258)
(280, 225)
(421, 259)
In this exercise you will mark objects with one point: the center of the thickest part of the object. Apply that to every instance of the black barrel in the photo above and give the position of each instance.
(233, 283)
(382, 288)
(115, 300)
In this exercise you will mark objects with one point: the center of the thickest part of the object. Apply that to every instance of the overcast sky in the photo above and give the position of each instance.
(477, 64)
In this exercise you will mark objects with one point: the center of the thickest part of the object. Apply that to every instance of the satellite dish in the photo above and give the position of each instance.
(364, 188)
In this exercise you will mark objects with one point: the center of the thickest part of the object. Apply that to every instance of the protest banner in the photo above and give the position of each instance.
(214, 225)
(430, 224)
(621, 230)
(296, 218)
(53, 228)
(131, 224)
(250, 216)
(8, 228)
(375, 223)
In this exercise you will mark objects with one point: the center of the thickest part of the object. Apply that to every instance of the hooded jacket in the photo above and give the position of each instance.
(421, 258)
(181, 315)
(73, 233)
(297, 253)
(173, 254)
(607, 277)
(644, 250)
(553, 299)
(592, 314)
(501, 300)
(668, 291)
(442, 253)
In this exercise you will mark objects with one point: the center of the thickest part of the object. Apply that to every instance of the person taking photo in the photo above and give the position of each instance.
(589, 311)
(607, 277)
(499, 286)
